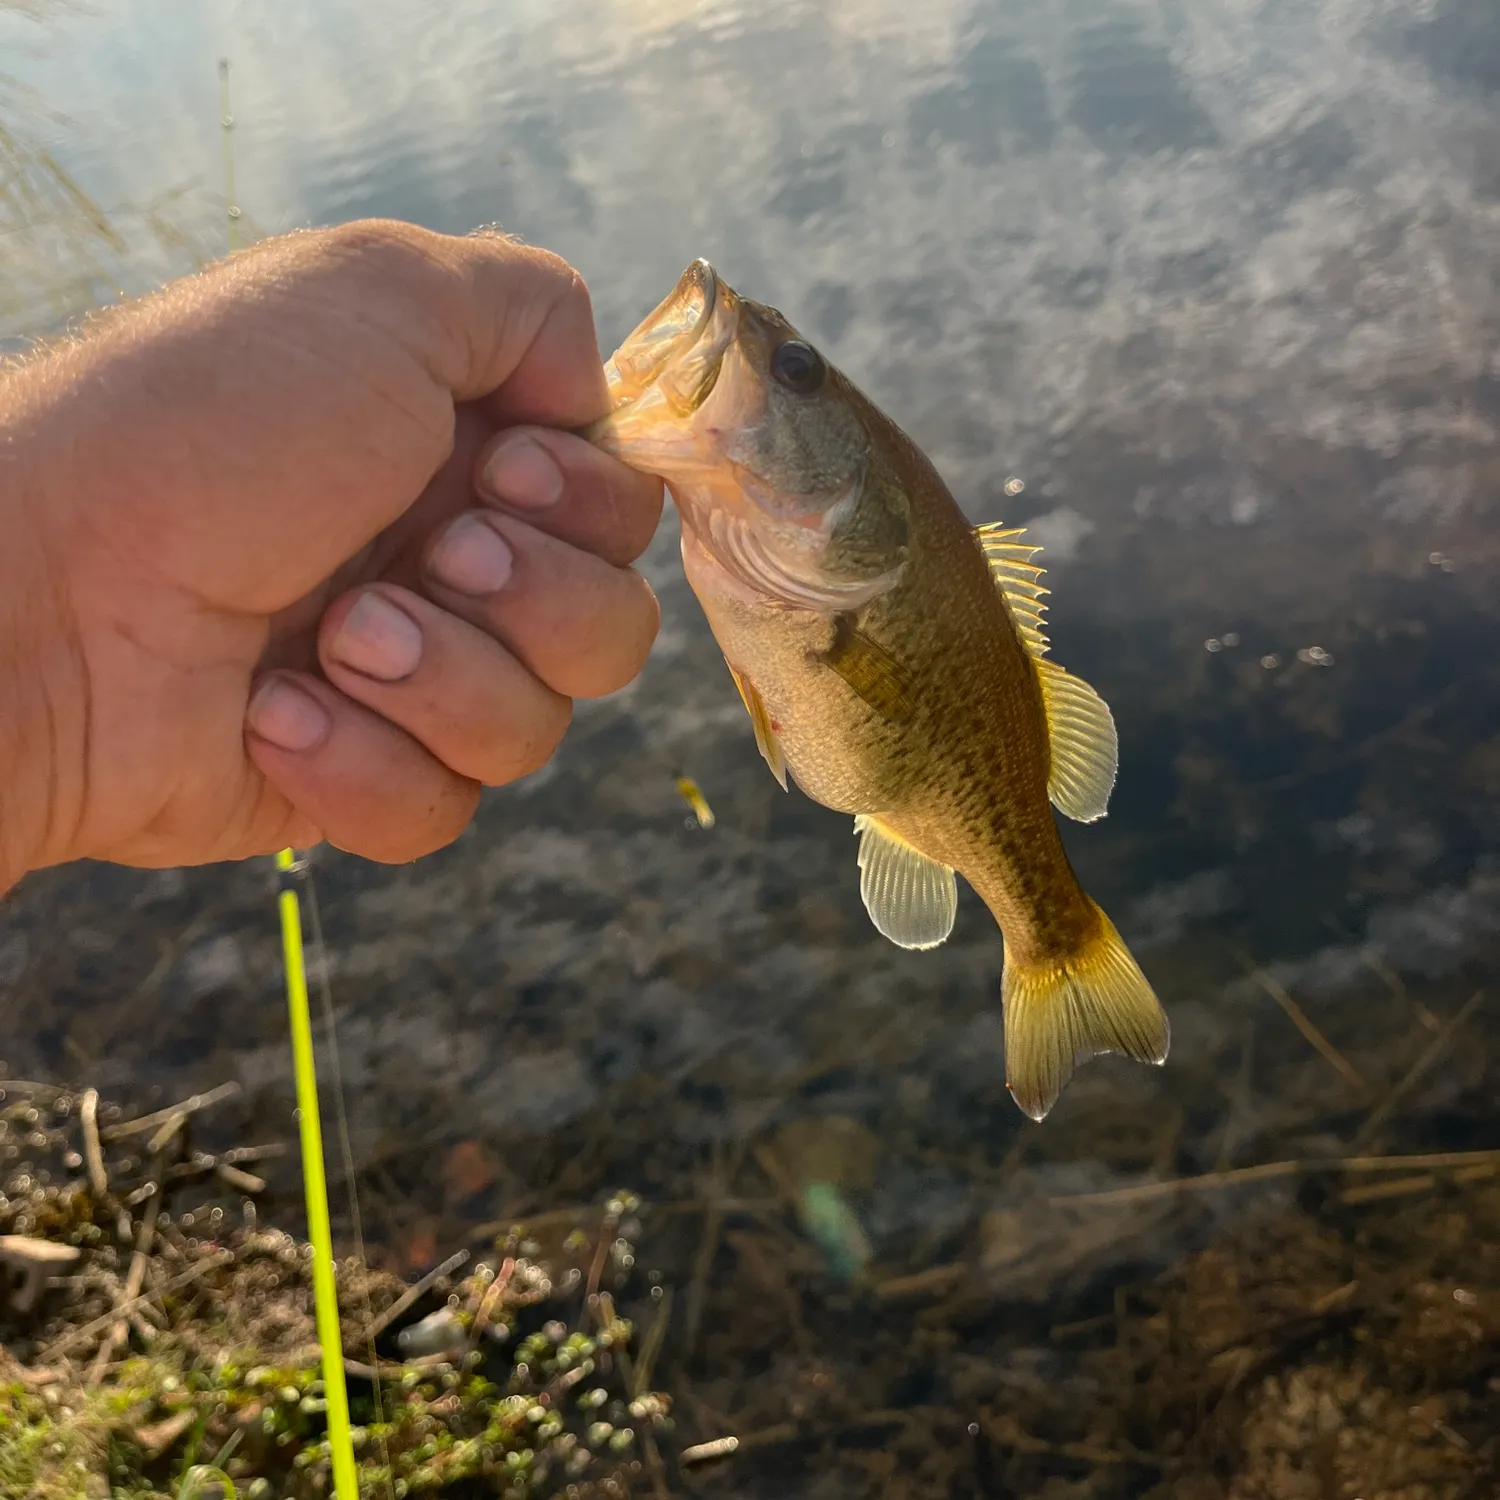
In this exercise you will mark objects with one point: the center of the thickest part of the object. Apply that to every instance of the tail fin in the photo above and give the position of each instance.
(1060, 1012)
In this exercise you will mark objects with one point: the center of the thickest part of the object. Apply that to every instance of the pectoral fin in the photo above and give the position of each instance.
(760, 720)
(911, 899)
(870, 671)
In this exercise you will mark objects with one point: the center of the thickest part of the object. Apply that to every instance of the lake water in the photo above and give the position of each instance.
(1216, 283)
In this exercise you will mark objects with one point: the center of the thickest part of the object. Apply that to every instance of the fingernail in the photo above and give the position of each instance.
(378, 640)
(286, 716)
(521, 472)
(471, 557)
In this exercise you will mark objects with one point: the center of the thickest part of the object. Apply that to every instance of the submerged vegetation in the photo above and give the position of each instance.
(1343, 1343)
(64, 251)
(175, 1355)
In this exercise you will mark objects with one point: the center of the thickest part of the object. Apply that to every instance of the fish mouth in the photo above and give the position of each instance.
(666, 333)
(668, 366)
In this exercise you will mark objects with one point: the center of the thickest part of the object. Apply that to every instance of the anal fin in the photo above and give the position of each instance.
(911, 899)
(760, 721)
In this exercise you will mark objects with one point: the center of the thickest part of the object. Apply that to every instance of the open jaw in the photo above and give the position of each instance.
(666, 369)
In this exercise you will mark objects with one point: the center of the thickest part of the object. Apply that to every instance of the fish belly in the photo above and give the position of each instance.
(840, 751)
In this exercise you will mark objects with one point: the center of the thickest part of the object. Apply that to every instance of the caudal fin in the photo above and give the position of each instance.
(1060, 1012)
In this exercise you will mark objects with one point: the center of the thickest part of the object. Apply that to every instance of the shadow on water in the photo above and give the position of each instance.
(1216, 285)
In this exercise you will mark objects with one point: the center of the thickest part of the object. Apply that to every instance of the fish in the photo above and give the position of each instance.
(892, 659)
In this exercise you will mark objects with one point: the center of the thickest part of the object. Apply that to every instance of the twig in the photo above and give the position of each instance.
(1320, 1043)
(1144, 1192)
(88, 1113)
(1429, 1055)
(188, 1106)
(86, 1331)
(411, 1294)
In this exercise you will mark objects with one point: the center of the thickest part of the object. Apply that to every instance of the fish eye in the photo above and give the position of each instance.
(798, 366)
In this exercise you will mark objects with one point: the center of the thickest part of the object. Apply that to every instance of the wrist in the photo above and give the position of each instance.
(43, 720)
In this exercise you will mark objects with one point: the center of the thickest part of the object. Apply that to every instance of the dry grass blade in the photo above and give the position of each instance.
(645, 1364)
(1429, 1055)
(411, 1295)
(161, 1117)
(702, 1453)
(82, 1334)
(1299, 1018)
(1378, 1192)
(1145, 1192)
(134, 1281)
(88, 1113)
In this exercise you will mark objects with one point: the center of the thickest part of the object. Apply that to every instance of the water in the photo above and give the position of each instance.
(1216, 284)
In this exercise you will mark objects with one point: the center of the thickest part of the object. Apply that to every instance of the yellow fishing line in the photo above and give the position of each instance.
(320, 1232)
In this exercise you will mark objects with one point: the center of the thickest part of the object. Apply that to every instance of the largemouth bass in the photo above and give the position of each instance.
(891, 658)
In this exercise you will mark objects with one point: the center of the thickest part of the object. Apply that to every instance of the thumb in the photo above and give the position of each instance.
(515, 327)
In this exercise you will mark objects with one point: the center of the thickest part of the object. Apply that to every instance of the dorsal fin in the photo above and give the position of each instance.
(1018, 579)
(1082, 746)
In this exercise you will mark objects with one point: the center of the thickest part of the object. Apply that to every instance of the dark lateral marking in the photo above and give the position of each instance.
(870, 670)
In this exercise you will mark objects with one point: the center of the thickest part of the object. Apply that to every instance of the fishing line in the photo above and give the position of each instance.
(346, 1149)
(315, 1185)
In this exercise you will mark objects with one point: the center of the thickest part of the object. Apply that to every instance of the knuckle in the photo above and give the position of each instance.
(413, 261)
(379, 237)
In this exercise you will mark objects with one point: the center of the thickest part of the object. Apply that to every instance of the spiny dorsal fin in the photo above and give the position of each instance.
(1080, 728)
(911, 899)
(760, 719)
(1018, 579)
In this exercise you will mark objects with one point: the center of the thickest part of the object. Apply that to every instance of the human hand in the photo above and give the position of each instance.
(294, 550)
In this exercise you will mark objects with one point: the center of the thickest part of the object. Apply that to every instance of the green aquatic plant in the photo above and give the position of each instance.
(537, 1384)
